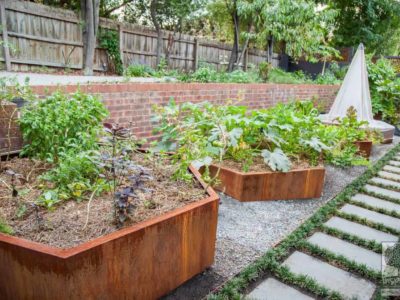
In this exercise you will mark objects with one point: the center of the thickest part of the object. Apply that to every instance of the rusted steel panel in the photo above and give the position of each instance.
(259, 186)
(144, 261)
(364, 148)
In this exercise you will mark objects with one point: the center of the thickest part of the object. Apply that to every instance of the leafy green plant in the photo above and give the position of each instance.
(263, 70)
(385, 90)
(75, 175)
(136, 70)
(4, 228)
(61, 123)
(109, 40)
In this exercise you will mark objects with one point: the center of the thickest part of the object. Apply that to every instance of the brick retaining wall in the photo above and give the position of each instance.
(132, 102)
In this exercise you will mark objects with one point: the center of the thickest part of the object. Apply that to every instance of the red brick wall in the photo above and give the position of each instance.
(10, 135)
(132, 102)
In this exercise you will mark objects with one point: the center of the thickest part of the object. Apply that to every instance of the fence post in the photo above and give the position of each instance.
(195, 56)
(5, 35)
(121, 42)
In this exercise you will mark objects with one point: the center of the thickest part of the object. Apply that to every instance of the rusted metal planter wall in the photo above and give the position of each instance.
(364, 148)
(258, 186)
(144, 261)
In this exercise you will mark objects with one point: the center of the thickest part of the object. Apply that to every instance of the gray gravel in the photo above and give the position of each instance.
(54, 79)
(247, 230)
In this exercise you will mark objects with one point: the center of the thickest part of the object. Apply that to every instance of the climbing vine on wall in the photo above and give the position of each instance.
(109, 40)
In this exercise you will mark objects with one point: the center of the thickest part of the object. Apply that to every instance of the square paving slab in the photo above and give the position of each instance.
(352, 252)
(330, 277)
(272, 289)
(381, 191)
(359, 230)
(371, 216)
(376, 202)
(389, 175)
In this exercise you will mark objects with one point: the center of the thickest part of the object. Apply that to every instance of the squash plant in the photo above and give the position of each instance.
(204, 133)
(285, 134)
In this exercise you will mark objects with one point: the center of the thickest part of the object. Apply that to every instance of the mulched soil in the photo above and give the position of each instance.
(64, 226)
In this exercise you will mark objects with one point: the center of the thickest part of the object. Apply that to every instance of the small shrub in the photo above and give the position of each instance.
(263, 70)
(135, 70)
(61, 123)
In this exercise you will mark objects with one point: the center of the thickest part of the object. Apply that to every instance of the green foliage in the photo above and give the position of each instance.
(74, 176)
(10, 89)
(385, 90)
(109, 40)
(61, 123)
(135, 70)
(4, 228)
(263, 70)
(204, 133)
(207, 74)
(277, 75)
(372, 22)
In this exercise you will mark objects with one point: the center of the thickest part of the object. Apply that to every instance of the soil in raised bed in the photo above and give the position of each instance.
(63, 226)
(259, 165)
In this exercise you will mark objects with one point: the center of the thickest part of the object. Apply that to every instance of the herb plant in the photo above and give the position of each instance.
(61, 123)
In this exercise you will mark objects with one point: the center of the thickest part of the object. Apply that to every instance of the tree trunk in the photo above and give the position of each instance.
(90, 16)
(235, 49)
(270, 48)
(245, 46)
(153, 13)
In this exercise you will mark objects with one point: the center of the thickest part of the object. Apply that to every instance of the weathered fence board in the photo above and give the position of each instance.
(38, 35)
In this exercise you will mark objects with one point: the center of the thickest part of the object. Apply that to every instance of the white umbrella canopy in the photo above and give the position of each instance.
(354, 92)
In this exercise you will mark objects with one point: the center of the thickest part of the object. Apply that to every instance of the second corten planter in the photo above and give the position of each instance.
(364, 148)
(258, 186)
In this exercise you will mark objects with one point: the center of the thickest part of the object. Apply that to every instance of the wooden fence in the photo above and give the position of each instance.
(36, 36)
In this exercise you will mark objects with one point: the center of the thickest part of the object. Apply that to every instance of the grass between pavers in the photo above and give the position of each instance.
(271, 261)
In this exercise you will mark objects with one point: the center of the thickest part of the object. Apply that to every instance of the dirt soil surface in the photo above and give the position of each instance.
(64, 226)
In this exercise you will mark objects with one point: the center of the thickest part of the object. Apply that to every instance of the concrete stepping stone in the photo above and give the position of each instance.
(394, 163)
(389, 168)
(361, 231)
(389, 175)
(272, 289)
(372, 216)
(350, 251)
(385, 182)
(330, 277)
(381, 191)
(376, 202)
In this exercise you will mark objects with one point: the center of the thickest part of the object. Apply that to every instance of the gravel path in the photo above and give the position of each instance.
(54, 79)
(247, 230)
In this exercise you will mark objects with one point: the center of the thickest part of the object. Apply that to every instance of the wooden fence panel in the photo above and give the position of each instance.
(42, 36)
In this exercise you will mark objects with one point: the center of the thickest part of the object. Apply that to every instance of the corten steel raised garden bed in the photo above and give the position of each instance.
(364, 148)
(143, 261)
(258, 186)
